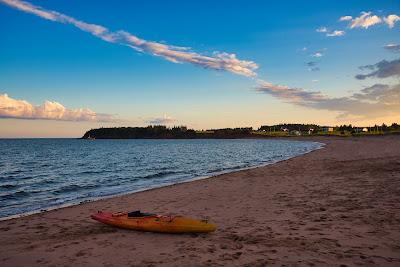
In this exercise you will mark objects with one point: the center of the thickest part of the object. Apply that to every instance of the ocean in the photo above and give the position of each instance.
(39, 174)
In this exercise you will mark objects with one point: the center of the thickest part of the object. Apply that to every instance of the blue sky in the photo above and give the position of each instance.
(45, 60)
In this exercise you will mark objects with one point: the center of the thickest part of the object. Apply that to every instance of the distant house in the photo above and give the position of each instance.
(310, 131)
(327, 129)
(365, 129)
(285, 129)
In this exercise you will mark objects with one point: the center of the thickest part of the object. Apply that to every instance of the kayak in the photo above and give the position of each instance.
(153, 222)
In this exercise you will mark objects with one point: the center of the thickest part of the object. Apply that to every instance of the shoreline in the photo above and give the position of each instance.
(189, 180)
(336, 206)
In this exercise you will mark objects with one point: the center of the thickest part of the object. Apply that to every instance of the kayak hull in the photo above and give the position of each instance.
(154, 223)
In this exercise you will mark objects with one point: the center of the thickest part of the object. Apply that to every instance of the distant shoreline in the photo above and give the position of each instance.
(182, 132)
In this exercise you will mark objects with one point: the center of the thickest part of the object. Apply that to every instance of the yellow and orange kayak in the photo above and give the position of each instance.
(154, 223)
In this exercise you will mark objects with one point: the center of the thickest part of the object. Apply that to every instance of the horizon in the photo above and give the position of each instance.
(205, 130)
(68, 67)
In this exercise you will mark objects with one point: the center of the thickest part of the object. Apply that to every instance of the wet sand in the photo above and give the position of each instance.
(337, 206)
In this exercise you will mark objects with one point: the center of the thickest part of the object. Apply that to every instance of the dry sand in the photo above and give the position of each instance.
(336, 206)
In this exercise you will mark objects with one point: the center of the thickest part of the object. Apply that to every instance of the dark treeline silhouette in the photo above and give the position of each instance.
(162, 132)
(181, 132)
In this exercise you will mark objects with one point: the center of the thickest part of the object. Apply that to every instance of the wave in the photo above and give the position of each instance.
(15, 195)
(9, 186)
(72, 188)
(160, 174)
(218, 170)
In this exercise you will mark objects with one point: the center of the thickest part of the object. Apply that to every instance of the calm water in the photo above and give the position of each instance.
(42, 173)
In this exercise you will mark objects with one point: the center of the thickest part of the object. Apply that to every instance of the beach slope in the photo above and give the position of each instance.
(335, 206)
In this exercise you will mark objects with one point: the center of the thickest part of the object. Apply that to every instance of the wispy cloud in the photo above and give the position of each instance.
(312, 66)
(392, 47)
(367, 19)
(49, 110)
(317, 54)
(162, 120)
(377, 101)
(321, 29)
(336, 33)
(330, 33)
(290, 95)
(345, 18)
(382, 69)
(216, 60)
(314, 69)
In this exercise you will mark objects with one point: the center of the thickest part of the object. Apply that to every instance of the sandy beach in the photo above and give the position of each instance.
(337, 206)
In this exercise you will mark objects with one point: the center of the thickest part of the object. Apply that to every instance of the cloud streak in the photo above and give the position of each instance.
(312, 66)
(217, 60)
(392, 47)
(345, 18)
(321, 29)
(330, 34)
(382, 69)
(336, 33)
(162, 120)
(366, 20)
(377, 101)
(317, 54)
(49, 110)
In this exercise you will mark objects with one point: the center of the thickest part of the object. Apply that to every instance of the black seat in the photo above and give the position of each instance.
(137, 213)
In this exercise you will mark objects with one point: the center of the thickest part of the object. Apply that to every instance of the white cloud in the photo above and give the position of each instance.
(162, 120)
(217, 60)
(322, 29)
(49, 110)
(345, 18)
(365, 20)
(335, 33)
(391, 20)
(315, 81)
(317, 54)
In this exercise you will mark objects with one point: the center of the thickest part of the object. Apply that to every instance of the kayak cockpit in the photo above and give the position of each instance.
(138, 213)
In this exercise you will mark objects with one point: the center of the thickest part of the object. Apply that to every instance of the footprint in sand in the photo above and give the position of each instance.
(80, 253)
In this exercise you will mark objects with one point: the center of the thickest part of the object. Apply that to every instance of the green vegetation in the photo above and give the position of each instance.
(279, 130)
(313, 129)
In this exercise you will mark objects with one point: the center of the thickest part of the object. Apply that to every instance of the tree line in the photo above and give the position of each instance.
(182, 132)
(163, 132)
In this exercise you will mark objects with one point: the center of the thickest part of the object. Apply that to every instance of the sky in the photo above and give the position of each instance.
(69, 66)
